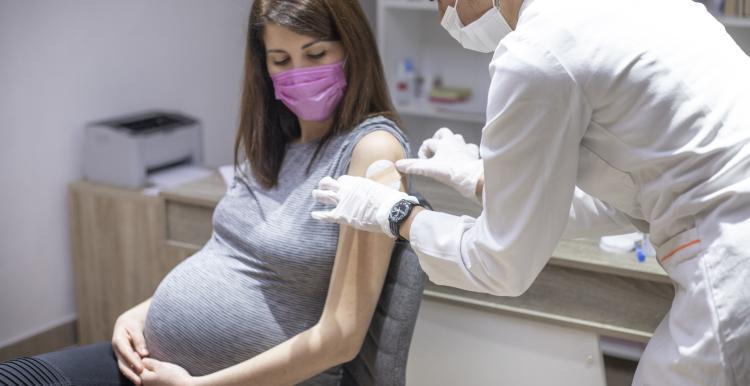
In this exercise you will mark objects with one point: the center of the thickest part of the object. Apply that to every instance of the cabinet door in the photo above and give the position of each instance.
(457, 344)
(175, 252)
(118, 240)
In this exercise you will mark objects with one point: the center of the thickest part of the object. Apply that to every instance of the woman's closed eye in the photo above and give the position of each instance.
(280, 61)
(317, 55)
(313, 56)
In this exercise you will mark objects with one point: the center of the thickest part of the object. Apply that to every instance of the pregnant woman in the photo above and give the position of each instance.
(275, 297)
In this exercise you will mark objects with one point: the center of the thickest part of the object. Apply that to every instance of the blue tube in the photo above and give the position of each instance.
(639, 253)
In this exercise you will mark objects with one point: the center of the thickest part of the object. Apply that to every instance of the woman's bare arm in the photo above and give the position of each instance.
(357, 279)
(140, 310)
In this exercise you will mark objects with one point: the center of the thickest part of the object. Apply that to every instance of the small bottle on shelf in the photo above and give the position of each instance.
(405, 79)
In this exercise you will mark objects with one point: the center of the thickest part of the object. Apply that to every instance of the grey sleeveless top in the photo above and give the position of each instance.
(263, 276)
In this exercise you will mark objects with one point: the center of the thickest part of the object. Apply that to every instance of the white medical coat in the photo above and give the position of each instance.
(602, 115)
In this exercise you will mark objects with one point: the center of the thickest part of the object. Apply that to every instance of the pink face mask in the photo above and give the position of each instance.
(312, 93)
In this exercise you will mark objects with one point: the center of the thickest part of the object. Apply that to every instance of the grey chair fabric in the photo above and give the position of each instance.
(382, 359)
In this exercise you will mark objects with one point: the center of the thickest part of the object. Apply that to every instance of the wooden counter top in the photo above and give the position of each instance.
(582, 286)
(203, 192)
(580, 254)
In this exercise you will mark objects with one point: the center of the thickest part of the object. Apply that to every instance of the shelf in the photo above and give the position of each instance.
(429, 111)
(735, 21)
(424, 5)
(418, 5)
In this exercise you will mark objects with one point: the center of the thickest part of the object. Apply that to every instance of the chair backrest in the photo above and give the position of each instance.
(382, 359)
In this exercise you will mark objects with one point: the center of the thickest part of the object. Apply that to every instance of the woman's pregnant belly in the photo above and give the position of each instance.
(212, 312)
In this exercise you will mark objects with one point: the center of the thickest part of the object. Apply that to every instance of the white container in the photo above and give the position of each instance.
(404, 93)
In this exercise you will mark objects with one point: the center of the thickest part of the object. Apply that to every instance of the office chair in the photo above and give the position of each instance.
(382, 359)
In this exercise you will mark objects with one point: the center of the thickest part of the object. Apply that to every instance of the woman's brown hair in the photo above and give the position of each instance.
(266, 125)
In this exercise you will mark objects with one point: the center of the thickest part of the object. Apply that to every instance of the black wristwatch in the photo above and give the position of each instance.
(398, 214)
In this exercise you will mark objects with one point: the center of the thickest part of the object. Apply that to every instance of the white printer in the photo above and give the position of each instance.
(124, 151)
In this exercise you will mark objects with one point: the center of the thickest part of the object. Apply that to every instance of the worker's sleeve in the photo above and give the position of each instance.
(591, 217)
(537, 116)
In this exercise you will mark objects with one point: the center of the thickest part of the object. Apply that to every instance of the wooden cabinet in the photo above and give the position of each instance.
(124, 242)
(117, 239)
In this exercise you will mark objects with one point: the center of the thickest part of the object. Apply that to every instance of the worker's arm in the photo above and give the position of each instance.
(591, 217)
(537, 117)
(357, 278)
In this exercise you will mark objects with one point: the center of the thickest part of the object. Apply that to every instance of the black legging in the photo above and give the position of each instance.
(94, 365)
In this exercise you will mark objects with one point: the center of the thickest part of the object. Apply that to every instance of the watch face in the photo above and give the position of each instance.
(399, 211)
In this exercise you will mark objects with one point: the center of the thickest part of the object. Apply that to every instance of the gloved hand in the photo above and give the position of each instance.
(448, 159)
(360, 202)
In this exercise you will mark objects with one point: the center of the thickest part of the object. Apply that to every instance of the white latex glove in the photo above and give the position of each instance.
(360, 202)
(447, 158)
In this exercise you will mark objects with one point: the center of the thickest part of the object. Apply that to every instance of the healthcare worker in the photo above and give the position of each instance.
(603, 116)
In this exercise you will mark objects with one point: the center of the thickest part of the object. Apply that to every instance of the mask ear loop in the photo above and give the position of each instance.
(455, 7)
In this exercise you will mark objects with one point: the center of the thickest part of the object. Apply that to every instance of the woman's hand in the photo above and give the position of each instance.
(156, 373)
(129, 346)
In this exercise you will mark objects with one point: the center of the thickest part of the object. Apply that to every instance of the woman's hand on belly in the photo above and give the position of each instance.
(157, 373)
(129, 345)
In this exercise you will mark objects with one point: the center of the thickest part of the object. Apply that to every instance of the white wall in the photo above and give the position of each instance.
(65, 63)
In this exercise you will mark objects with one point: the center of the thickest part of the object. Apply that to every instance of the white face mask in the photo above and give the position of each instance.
(483, 34)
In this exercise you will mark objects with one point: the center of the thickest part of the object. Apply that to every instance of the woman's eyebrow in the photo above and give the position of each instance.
(311, 43)
(303, 46)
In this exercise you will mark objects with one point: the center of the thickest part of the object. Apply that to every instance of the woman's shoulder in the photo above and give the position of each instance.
(375, 138)
(377, 121)
(380, 138)
(377, 124)
(378, 143)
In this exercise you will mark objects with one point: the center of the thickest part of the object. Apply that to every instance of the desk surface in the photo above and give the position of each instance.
(582, 287)
(579, 254)
(203, 192)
